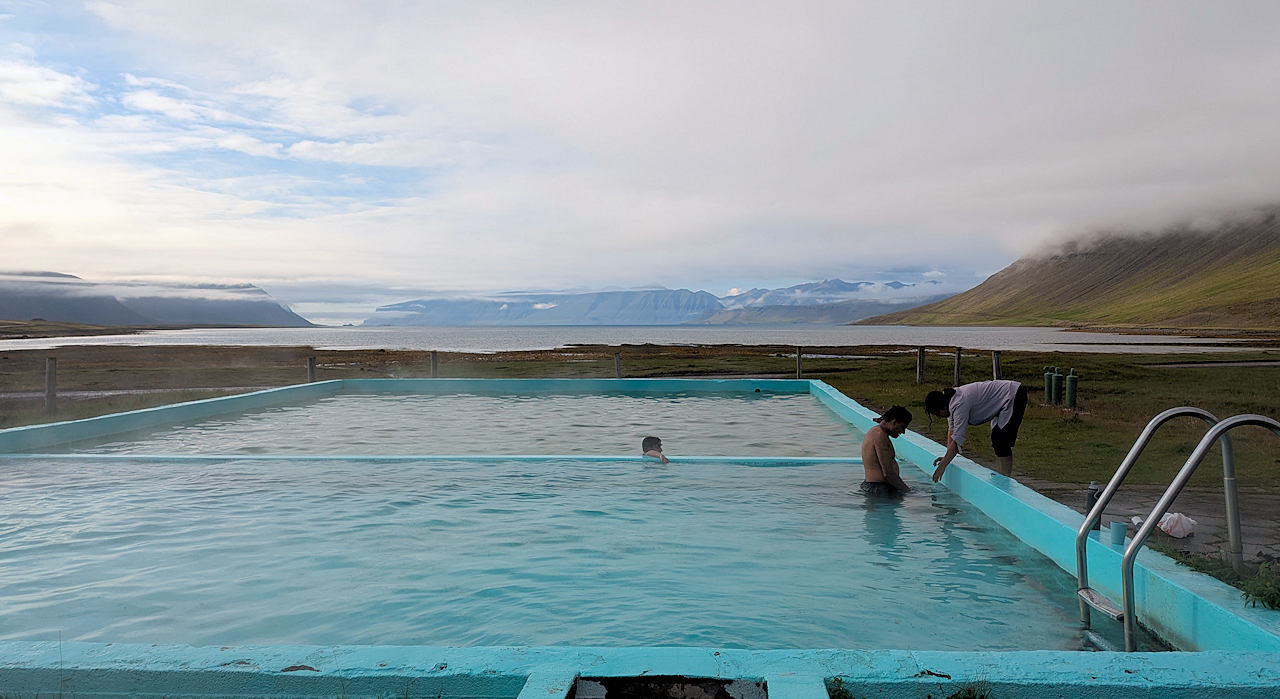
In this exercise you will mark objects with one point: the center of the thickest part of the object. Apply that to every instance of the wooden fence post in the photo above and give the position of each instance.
(957, 372)
(435, 363)
(50, 385)
(311, 369)
(799, 372)
(995, 365)
(617, 365)
(919, 365)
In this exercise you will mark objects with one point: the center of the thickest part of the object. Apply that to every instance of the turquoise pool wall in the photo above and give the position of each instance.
(33, 437)
(536, 386)
(1240, 646)
(117, 670)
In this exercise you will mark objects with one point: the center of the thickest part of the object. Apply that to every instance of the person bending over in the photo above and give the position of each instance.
(652, 446)
(879, 460)
(1001, 403)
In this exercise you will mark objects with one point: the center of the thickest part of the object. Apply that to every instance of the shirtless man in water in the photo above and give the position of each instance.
(879, 461)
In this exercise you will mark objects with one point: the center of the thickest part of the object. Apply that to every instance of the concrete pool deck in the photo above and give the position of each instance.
(115, 670)
(1259, 515)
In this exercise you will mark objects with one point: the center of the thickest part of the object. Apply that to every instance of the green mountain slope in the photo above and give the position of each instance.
(1228, 277)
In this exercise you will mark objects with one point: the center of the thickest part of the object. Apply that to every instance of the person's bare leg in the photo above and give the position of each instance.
(1004, 465)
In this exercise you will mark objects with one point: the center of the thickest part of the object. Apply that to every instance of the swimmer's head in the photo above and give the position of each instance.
(895, 420)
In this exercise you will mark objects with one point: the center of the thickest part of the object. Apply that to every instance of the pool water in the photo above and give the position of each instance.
(510, 552)
(749, 424)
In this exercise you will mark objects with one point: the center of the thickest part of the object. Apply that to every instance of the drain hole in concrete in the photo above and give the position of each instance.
(667, 687)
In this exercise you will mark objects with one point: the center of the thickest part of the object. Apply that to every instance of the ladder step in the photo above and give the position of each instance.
(1097, 641)
(1100, 603)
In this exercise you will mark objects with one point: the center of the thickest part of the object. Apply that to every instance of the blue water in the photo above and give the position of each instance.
(699, 424)
(503, 552)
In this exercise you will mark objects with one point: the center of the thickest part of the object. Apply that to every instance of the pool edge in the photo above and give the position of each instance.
(90, 669)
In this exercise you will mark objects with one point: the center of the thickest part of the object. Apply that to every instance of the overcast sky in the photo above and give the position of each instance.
(321, 149)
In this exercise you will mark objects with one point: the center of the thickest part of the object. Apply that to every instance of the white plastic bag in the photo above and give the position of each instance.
(1176, 524)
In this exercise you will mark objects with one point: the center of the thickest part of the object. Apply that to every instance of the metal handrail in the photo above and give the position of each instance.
(1166, 501)
(1095, 514)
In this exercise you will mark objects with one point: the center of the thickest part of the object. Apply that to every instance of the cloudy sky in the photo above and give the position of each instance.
(372, 151)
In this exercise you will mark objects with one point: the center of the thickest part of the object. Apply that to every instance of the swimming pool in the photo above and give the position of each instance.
(252, 550)
(496, 553)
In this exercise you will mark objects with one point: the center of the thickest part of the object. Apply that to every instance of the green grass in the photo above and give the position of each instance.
(32, 411)
(1264, 587)
(1259, 587)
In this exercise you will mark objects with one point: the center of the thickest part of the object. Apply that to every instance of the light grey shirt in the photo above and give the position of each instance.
(976, 403)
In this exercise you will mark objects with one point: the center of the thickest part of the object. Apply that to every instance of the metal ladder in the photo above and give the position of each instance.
(1090, 599)
(1166, 501)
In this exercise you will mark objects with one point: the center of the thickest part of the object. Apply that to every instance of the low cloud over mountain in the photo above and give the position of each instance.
(65, 298)
(829, 291)
(1216, 274)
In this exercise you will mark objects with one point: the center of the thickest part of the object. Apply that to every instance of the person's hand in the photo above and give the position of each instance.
(941, 468)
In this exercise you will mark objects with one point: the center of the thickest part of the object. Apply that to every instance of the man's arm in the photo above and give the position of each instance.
(885, 458)
(657, 455)
(893, 478)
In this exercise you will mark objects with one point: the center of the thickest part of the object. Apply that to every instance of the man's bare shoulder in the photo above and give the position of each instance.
(875, 435)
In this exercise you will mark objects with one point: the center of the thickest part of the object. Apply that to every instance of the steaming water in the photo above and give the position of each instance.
(690, 424)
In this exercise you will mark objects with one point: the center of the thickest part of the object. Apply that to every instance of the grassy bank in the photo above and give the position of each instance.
(24, 329)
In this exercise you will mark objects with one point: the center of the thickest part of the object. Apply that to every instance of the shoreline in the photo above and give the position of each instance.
(44, 329)
(41, 329)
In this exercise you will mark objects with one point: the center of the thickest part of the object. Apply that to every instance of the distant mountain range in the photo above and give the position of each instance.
(814, 293)
(836, 313)
(65, 298)
(1224, 277)
(663, 307)
(57, 297)
(830, 301)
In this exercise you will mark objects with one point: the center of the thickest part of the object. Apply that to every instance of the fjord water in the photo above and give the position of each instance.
(496, 339)
(503, 552)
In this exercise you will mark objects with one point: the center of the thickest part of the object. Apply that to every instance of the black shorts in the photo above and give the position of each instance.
(1003, 438)
(879, 489)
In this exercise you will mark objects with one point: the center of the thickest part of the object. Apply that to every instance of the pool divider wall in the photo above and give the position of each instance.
(587, 386)
(1188, 609)
(103, 670)
(32, 437)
